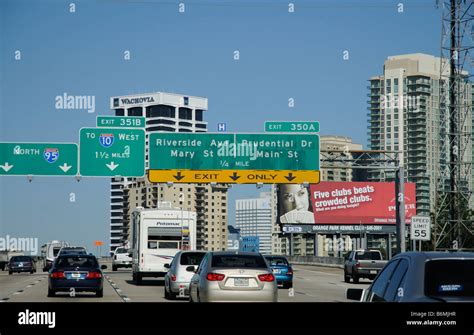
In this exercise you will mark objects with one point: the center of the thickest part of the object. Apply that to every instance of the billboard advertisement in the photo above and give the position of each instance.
(343, 203)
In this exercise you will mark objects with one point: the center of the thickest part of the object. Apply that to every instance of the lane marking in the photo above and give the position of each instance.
(117, 290)
(326, 273)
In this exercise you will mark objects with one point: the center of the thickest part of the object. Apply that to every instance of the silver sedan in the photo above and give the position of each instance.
(233, 277)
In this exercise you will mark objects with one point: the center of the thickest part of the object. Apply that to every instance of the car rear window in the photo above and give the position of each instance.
(449, 278)
(368, 255)
(21, 259)
(74, 261)
(275, 261)
(56, 251)
(191, 258)
(78, 251)
(238, 261)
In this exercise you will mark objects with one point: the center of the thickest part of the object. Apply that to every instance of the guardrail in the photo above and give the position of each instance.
(333, 262)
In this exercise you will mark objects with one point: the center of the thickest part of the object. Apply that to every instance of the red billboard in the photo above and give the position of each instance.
(359, 202)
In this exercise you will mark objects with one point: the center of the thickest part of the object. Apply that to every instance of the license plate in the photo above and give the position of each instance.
(373, 272)
(241, 281)
(75, 275)
(276, 271)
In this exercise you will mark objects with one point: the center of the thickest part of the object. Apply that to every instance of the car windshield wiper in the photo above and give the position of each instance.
(436, 298)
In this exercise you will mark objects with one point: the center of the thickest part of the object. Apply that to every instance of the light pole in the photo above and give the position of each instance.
(181, 200)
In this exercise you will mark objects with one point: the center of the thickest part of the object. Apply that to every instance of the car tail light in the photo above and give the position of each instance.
(173, 278)
(58, 275)
(357, 265)
(115, 257)
(94, 275)
(215, 276)
(266, 277)
(290, 271)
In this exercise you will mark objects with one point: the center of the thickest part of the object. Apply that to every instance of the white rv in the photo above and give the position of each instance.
(156, 236)
(49, 251)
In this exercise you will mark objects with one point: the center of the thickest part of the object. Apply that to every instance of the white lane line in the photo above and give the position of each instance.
(316, 271)
(117, 290)
(17, 292)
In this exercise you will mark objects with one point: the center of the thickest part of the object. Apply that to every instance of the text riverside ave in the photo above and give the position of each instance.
(193, 151)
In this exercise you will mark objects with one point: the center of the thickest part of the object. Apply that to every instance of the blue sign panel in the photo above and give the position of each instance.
(250, 244)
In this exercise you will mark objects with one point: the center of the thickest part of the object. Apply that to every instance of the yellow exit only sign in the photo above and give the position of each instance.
(234, 176)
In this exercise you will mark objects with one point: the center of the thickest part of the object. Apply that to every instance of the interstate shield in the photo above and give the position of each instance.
(51, 155)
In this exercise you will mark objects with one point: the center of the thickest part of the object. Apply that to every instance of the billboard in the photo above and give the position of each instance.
(343, 203)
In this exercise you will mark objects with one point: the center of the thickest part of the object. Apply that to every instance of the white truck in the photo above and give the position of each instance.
(49, 251)
(156, 236)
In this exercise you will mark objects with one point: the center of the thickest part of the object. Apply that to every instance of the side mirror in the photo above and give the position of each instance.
(103, 267)
(354, 293)
(130, 255)
(167, 266)
(190, 268)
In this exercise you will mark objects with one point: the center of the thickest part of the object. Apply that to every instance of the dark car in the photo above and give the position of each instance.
(282, 270)
(21, 264)
(80, 272)
(422, 277)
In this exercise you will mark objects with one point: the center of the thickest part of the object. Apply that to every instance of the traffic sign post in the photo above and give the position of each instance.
(121, 121)
(112, 152)
(292, 126)
(420, 228)
(205, 151)
(40, 159)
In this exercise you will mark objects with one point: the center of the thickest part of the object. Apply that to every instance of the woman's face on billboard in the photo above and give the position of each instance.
(294, 196)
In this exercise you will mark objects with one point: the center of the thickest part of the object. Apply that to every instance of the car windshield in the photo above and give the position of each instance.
(368, 255)
(238, 261)
(20, 259)
(191, 258)
(277, 261)
(121, 251)
(449, 278)
(74, 261)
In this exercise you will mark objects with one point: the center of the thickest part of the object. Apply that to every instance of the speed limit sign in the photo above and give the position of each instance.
(420, 228)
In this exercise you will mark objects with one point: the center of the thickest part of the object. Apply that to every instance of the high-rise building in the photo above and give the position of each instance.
(167, 112)
(254, 218)
(337, 143)
(405, 115)
(233, 239)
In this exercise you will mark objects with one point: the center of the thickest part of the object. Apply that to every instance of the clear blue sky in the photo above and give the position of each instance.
(282, 55)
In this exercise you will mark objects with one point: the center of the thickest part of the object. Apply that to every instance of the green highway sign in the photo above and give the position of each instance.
(226, 151)
(292, 126)
(121, 121)
(112, 152)
(39, 159)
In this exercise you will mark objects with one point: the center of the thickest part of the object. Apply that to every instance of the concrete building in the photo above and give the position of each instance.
(254, 218)
(337, 143)
(167, 112)
(405, 115)
(233, 238)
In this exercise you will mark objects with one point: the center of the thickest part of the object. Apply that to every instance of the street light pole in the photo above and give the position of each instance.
(400, 208)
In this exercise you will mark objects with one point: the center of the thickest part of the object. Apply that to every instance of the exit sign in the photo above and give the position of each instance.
(292, 126)
(121, 121)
